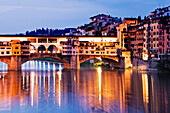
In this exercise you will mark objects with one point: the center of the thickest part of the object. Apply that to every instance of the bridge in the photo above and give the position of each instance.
(69, 50)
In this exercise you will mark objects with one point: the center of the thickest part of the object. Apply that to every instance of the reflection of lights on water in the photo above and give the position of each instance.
(53, 66)
(59, 76)
(48, 65)
(36, 64)
(54, 81)
(48, 81)
(43, 65)
(23, 80)
(32, 88)
(145, 88)
(3, 66)
(40, 81)
(60, 68)
(74, 78)
(40, 65)
(99, 71)
(3, 80)
(44, 78)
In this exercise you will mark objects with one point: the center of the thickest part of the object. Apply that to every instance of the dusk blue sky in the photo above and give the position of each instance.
(18, 16)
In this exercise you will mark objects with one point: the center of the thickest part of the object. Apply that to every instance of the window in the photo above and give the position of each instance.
(2, 53)
(16, 47)
(17, 52)
(86, 51)
(7, 52)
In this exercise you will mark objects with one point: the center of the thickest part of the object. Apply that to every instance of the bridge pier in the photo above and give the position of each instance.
(66, 66)
(74, 62)
(15, 63)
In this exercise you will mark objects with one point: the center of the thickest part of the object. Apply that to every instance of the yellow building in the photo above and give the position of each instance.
(121, 34)
(16, 47)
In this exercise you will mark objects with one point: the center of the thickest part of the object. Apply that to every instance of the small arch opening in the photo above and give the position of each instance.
(52, 49)
(41, 49)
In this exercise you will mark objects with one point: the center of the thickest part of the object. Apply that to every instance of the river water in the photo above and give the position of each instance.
(44, 87)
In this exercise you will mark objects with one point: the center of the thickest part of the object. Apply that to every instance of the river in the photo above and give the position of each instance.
(44, 87)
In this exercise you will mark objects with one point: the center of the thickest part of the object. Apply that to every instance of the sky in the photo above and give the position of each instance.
(19, 16)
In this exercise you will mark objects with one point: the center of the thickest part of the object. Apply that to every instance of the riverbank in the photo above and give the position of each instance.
(145, 65)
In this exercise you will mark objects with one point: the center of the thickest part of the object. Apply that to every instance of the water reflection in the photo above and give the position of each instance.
(95, 90)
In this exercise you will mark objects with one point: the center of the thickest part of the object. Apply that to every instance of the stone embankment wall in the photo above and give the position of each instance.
(144, 65)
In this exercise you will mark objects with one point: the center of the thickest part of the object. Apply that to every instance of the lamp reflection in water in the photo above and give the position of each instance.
(43, 65)
(32, 88)
(59, 76)
(54, 80)
(145, 88)
(99, 71)
(36, 64)
(48, 65)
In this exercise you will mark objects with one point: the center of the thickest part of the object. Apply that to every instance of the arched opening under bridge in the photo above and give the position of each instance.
(46, 59)
(41, 49)
(52, 49)
(45, 64)
(100, 61)
(3, 66)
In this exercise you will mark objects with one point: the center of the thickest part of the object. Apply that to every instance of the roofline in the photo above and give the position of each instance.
(48, 36)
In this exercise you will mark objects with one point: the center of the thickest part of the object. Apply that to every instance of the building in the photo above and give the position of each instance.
(156, 33)
(5, 48)
(100, 25)
(25, 48)
(126, 33)
(16, 47)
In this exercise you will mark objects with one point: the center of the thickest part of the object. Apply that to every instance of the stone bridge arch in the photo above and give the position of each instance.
(6, 60)
(54, 56)
(85, 58)
(116, 61)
